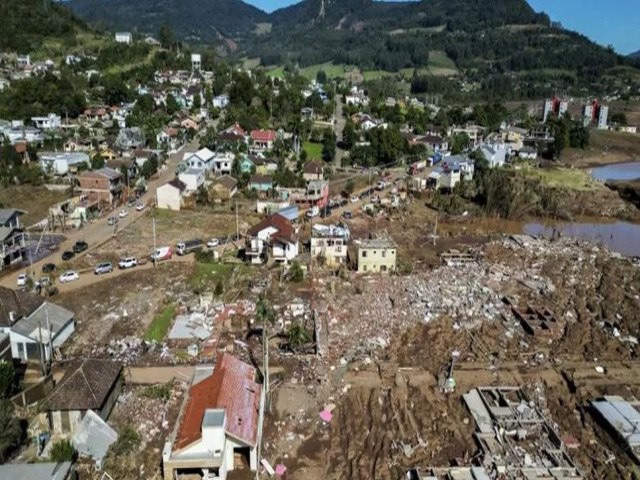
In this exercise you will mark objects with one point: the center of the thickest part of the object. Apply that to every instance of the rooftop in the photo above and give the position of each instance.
(36, 471)
(282, 225)
(7, 214)
(85, 385)
(47, 315)
(232, 389)
(22, 303)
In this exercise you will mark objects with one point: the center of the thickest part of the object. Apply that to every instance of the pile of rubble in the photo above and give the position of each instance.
(130, 349)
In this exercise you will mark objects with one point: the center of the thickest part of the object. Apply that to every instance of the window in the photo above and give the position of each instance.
(384, 253)
(364, 268)
(338, 249)
(363, 254)
(383, 268)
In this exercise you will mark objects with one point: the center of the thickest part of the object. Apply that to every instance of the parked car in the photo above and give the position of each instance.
(354, 199)
(102, 268)
(161, 254)
(22, 279)
(112, 221)
(347, 214)
(139, 207)
(68, 255)
(131, 202)
(214, 242)
(80, 246)
(128, 262)
(123, 213)
(189, 246)
(48, 268)
(69, 276)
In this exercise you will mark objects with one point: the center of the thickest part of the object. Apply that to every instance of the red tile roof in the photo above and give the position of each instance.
(263, 135)
(236, 129)
(231, 387)
(285, 230)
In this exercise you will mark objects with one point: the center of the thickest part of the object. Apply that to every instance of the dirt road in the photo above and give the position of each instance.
(99, 232)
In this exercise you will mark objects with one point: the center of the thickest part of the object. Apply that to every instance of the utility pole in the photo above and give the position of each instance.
(155, 249)
(237, 223)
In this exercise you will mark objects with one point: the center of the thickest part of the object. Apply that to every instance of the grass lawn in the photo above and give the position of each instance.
(250, 62)
(33, 200)
(332, 71)
(207, 276)
(571, 178)
(441, 64)
(276, 72)
(161, 324)
(375, 74)
(314, 150)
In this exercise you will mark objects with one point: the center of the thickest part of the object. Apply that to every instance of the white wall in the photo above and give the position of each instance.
(168, 197)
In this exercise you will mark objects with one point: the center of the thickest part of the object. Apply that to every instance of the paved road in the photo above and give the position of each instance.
(98, 231)
(339, 129)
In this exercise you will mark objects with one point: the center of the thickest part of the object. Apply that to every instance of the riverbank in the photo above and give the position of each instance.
(605, 148)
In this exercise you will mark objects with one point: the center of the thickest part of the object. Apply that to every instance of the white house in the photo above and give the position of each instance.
(203, 159)
(35, 327)
(169, 196)
(496, 155)
(221, 101)
(528, 153)
(222, 418)
(223, 163)
(273, 238)
(46, 329)
(124, 37)
(329, 242)
(50, 122)
(193, 179)
(62, 163)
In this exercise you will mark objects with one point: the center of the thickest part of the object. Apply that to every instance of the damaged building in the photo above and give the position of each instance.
(622, 419)
(515, 441)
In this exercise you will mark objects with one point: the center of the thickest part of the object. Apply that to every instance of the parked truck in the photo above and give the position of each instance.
(183, 248)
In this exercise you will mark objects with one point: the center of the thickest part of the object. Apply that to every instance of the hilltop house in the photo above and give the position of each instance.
(273, 238)
(202, 159)
(329, 243)
(313, 170)
(376, 255)
(225, 187)
(221, 419)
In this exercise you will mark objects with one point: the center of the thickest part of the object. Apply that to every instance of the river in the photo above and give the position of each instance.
(622, 237)
(617, 171)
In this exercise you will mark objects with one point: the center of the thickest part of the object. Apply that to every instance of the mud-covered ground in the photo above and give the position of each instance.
(390, 345)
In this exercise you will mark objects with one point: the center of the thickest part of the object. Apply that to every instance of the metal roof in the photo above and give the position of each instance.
(36, 325)
(36, 471)
(621, 416)
(93, 436)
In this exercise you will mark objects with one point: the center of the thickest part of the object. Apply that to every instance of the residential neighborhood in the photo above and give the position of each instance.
(214, 265)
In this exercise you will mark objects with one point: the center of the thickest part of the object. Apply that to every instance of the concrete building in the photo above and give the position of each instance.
(63, 163)
(273, 239)
(124, 37)
(170, 195)
(222, 420)
(376, 255)
(50, 122)
(622, 419)
(225, 187)
(603, 117)
(193, 179)
(101, 186)
(554, 106)
(88, 384)
(12, 243)
(196, 62)
(495, 154)
(329, 244)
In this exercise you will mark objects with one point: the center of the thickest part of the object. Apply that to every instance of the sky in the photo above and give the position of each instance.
(608, 22)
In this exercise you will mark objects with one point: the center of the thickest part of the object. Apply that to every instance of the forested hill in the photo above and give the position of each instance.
(198, 21)
(635, 55)
(27, 24)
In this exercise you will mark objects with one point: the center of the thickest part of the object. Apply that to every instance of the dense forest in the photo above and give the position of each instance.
(26, 24)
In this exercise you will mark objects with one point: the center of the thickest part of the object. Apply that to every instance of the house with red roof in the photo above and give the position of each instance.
(274, 238)
(262, 140)
(221, 419)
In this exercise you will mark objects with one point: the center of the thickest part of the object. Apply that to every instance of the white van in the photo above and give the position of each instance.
(161, 254)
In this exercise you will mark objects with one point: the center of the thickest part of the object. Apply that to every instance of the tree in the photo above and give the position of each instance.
(197, 102)
(349, 135)
(619, 117)
(10, 428)
(265, 314)
(296, 272)
(349, 187)
(97, 161)
(7, 376)
(329, 145)
(150, 167)
(62, 451)
(459, 143)
(172, 104)
(166, 37)
(321, 77)
(202, 195)
(297, 337)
